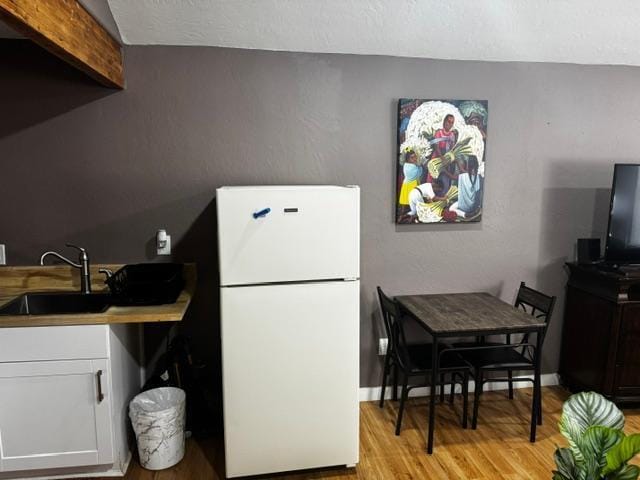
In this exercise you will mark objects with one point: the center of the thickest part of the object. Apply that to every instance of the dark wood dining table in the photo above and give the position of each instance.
(453, 315)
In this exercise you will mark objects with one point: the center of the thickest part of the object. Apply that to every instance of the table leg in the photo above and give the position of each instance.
(435, 358)
(537, 390)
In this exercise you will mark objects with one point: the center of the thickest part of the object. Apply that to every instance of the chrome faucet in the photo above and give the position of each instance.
(83, 265)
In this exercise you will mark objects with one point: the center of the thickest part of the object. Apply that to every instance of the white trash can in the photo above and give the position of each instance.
(158, 418)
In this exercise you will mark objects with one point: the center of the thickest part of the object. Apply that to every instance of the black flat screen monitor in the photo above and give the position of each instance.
(623, 233)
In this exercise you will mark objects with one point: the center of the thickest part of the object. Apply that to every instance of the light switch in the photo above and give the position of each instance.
(3, 255)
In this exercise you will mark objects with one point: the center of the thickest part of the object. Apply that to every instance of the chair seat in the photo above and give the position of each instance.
(498, 358)
(420, 359)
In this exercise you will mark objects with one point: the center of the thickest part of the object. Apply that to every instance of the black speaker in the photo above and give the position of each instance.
(588, 250)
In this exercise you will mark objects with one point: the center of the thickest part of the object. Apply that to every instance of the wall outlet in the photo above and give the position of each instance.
(382, 346)
(3, 255)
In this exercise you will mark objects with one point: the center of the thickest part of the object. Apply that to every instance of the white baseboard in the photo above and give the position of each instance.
(368, 394)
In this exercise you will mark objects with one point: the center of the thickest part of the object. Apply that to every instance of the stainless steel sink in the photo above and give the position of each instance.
(51, 303)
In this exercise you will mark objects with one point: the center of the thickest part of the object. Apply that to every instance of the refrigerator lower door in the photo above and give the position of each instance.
(290, 376)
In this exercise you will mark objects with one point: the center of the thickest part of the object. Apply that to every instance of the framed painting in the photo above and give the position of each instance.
(441, 163)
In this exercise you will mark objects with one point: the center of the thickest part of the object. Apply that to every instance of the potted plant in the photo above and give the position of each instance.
(598, 448)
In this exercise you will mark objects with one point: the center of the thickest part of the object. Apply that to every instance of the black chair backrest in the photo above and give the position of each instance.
(535, 303)
(395, 329)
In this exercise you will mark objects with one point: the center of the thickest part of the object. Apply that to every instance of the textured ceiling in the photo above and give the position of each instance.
(573, 31)
(567, 31)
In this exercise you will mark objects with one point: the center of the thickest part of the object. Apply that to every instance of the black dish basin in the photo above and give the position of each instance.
(51, 303)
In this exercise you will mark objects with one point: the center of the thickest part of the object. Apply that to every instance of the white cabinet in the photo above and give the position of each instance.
(64, 393)
(54, 414)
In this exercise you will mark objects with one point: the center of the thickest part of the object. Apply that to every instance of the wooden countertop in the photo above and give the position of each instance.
(14, 281)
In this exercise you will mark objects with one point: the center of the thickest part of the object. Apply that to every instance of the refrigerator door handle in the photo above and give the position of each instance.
(261, 213)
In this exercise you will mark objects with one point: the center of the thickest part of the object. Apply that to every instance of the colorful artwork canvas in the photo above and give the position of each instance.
(441, 160)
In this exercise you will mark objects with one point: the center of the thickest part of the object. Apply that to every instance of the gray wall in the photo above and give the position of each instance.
(106, 168)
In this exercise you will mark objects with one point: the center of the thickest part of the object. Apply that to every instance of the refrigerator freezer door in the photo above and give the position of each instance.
(290, 374)
(288, 234)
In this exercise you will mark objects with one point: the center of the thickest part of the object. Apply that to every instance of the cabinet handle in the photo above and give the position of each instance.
(99, 378)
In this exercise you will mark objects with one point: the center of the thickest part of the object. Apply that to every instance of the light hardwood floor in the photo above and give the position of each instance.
(498, 449)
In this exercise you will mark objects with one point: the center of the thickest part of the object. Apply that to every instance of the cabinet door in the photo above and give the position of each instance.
(628, 358)
(51, 415)
(589, 323)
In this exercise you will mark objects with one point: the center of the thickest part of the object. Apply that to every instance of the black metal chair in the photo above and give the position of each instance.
(390, 364)
(415, 361)
(507, 356)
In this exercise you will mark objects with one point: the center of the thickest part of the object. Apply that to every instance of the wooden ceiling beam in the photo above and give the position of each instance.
(67, 30)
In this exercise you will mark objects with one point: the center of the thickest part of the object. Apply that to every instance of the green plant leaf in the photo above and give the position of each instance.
(628, 472)
(589, 469)
(584, 410)
(571, 429)
(566, 464)
(622, 453)
(594, 445)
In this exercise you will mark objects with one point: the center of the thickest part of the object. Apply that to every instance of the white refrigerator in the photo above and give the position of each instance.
(290, 294)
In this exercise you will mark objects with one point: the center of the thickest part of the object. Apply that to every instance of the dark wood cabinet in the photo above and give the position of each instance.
(601, 332)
